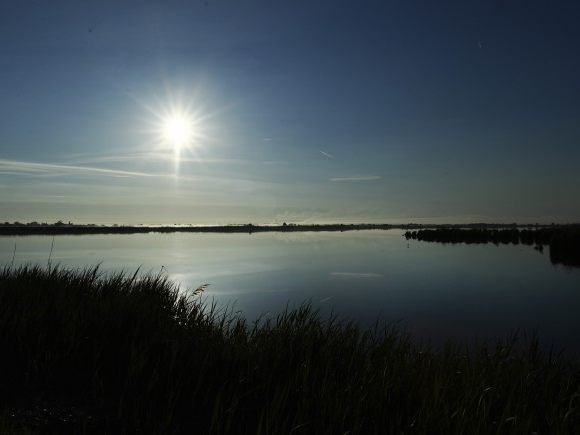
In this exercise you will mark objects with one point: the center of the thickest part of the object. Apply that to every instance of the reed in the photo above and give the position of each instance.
(88, 352)
(564, 242)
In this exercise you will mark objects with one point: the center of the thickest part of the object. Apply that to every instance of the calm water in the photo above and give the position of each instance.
(436, 291)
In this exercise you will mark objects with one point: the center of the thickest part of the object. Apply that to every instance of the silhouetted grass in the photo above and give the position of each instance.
(87, 352)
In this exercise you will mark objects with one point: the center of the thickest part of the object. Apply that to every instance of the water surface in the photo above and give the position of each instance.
(435, 291)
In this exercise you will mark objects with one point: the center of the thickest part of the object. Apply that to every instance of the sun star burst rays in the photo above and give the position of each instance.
(178, 126)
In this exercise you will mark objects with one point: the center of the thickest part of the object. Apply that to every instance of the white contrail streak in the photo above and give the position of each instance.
(357, 178)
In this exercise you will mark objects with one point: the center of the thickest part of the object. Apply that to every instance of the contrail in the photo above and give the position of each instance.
(357, 178)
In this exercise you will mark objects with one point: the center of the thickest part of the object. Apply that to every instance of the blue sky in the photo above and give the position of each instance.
(305, 111)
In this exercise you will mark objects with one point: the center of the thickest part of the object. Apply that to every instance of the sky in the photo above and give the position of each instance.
(298, 111)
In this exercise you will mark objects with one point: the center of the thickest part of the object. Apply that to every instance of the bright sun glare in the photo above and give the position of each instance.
(178, 131)
(178, 127)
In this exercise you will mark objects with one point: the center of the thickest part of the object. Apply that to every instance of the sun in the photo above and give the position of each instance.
(178, 130)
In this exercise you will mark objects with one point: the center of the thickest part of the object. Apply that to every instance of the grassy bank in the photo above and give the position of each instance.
(85, 352)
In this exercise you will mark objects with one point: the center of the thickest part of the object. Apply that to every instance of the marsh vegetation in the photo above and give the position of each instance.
(90, 352)
(564, 242)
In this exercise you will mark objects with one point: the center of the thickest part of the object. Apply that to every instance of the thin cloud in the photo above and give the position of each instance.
(42, 170)
(330, 156)
(15, 167)
(358, 178)
(356, 274)
(163, 157)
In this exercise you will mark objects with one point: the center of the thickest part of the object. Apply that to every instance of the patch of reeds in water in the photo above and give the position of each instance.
(564, 242)
(86, 352)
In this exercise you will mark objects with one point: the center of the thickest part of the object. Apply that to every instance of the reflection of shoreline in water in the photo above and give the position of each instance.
(564, 243)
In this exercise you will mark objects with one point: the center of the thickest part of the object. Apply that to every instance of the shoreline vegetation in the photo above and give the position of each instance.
(89, 352)
(563, 241)
(62, 228)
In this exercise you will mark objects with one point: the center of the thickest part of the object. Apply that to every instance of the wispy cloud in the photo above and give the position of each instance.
(162, 157)
(15, 167)
(356, 274)
(330, 156)
(358, 178)
(56, 170)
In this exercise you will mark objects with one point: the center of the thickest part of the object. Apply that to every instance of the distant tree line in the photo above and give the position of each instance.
(478, 236)
(60, 228)
(33, 224)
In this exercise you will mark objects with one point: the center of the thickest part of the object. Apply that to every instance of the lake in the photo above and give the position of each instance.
(435, 291)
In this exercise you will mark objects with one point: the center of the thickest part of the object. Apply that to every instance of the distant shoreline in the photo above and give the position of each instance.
(74, 229)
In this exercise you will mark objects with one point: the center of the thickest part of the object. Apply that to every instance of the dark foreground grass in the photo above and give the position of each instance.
(83, 352)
